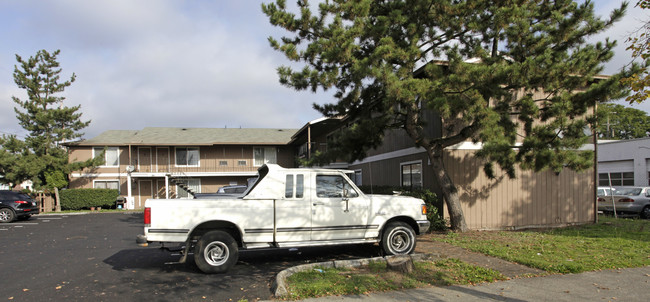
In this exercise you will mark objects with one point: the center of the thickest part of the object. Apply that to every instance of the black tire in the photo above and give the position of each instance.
(645, 212)
(215, 252)
(7, 215)
(398, 239)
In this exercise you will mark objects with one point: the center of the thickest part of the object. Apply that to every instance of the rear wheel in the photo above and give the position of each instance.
(645, 213)
(398, 239)
(215, 252)
(6, 215)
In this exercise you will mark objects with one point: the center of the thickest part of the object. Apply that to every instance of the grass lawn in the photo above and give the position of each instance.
(376, 277)
(612, 243)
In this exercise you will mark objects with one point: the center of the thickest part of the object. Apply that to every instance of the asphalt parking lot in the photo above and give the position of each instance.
(95, 257)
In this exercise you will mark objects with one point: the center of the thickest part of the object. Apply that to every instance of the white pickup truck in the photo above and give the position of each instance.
(285, 208)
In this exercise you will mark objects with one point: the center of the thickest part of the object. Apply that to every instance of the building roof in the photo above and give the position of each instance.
(152, 136)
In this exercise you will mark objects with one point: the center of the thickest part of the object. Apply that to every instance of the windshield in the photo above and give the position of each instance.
(628, 191)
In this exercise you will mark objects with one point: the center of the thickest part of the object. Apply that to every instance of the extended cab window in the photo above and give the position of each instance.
(333, 186)
(298, 186)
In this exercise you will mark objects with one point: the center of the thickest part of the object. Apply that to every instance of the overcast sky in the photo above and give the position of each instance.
(173, 63)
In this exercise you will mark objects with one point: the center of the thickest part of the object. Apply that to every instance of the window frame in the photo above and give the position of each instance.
(104, 165)
(401, 174)
(198, 156)
(107, 181)
(266, 159)
(620, 179)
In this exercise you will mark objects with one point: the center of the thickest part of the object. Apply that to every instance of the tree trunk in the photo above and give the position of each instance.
(56, 200)
(449, 191)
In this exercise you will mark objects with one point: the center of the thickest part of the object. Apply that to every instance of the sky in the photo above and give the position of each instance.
(174, 63)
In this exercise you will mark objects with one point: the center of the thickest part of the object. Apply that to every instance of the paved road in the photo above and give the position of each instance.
(95, 257)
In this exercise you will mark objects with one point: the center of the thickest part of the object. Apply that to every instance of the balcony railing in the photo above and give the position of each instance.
(186, 169)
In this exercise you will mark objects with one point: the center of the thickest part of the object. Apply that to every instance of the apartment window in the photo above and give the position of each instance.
(412, 175)
(242, 163)
(193, 184)
(188, 157)
(106, 184)
(111, 157)
(223, 163)
(264, 155)
(617, 179)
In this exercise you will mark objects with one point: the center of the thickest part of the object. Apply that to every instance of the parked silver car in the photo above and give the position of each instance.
(627, 201)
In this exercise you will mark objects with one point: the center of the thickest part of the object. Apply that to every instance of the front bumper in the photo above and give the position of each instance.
(423, 226)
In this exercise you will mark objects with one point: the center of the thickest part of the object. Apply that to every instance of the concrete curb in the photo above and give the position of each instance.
(279, 283)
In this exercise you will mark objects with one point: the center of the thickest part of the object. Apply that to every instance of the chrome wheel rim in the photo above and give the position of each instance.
(216, 253)
(399, 241)
(4, 215)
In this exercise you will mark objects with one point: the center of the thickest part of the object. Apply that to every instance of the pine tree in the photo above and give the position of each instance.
(477, 64)
(49, 123)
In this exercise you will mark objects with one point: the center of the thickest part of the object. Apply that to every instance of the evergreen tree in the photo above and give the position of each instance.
(49, 123)
(480, 65)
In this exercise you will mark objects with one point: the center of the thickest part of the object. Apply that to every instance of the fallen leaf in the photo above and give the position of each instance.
(25, 289)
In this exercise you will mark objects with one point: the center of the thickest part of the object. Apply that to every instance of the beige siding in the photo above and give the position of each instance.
(530, 200)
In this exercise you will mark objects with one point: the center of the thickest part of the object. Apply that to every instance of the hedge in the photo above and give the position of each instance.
(430, 199)
(77, 199)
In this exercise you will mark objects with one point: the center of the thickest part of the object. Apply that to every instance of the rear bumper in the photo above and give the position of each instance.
(621, 207)
(423, 226)
(26, 211)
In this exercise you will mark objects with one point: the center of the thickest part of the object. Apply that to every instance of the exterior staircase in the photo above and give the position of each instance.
(180, 181)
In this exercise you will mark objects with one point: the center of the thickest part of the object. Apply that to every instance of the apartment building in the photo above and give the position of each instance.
(157, 162)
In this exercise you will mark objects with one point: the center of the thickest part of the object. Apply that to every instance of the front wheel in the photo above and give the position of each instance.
(6, 215)
(215, 252)
(398, 239)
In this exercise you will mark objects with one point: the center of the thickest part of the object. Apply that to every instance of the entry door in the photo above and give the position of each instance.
(162, 159)
(335, 215)
(145, 192)
(144, 159)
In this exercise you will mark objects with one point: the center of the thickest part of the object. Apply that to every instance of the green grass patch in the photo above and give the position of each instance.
(611, 243)
(375, 277)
